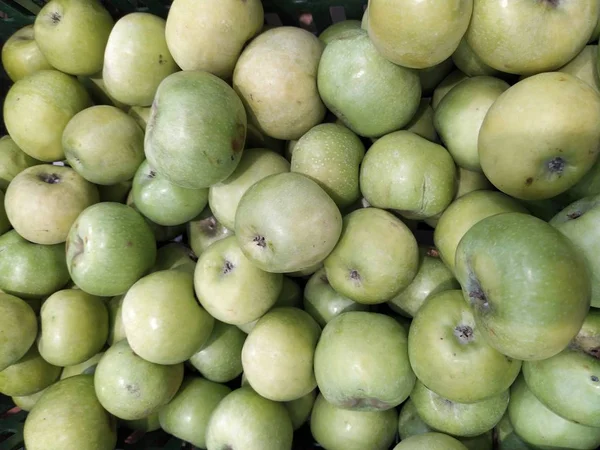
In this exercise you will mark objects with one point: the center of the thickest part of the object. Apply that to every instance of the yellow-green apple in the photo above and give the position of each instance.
(19, 329)
(454, 78)
(141, 114)
(430, 441)
(467, 61)
(21, 55)
(115, 192)
(88, 367)
(422, 121)
(161, 233)
(507, 438)
(585, 66)
(30, 374)
(430, 77)
(27, 402)
(469, 181)
(335, 30)
(204, 230)
(5, 224)
(12, 161)
(116, 328)
(176, 256)
(145, 425)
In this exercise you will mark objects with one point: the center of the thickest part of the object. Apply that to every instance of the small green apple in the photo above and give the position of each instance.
(12, 161)
(204, 230)
(453, 79)
(507, 438)
(141, 114)
(19, 326)
(27, 402)
(115, 192)
(116, 328)
(176, 256)
(585, 66)
(422, 121)
(21, 55)
(430, 441)
(28, 375)
(145, 425)
(469, 181)
(431, 77)
(88, 367)
(5, 224)
(469, 63)
(300, 409)
(335, 30)
(161, 233)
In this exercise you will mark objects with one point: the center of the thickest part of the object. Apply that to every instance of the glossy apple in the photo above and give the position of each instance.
(430, 441)
(28, 375)
(204, 230)
(19, 329)
(21, 55)
(12, 161)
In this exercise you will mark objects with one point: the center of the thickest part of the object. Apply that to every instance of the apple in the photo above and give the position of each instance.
(49, 426)
(19, 326)
(115, 192)
(116, 328)
(12, 161)
(136, 58)
(31, 271)
(460, 114)
(175, 256)
(161, 233)
(245, 420)
(453, 79)
(515, 37)
(145, 425)
(376, 257)
(585, 66)
(468, 62)
(408, 173)
(43, 201)
(430, 441)
(596, 32)
(28, 375)
(72, 35)
(369, 94)
(196, 131)
(256, 164)
(335, 428)
(541, 136)
(298, 233)
(27, 402)
(96, 87)
(431, 77)
(469, 181)
(109, 248)
(5, 224)
(276, 77)
(96, 152)
(527, 284)
(507, 438)
(204, 230)
(422, 121)
(335, 30)
(257, 139)
(88, 367)
(361, 362)
(21, 55)
(44, 101)
(141, 114)
(538, 426)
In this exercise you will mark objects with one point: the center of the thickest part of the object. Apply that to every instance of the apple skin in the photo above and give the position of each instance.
(422, 122)
(430, 441)
(361, 362)
(507, 438)
(432, 76)
(335, 30)
(43, 201)
(453, 79)
(21, 55)
(141, 114)
(161, 233)
(532, 149)
(28, 375)
(12, 161)
(45, 101)
(527, 284)
(115, 192)
(72, 401)
(116, 328)
(109, 248)
(5, 224)
(176, 256)
(27, 402)
(585, 66)
(541, 428)
(467, 61)
(137, 59)
(19, 329)
(339, 429)
(72, 35)
(204, 230)
(397, 30)
(507, 35)
(88, 367)
(31, 271)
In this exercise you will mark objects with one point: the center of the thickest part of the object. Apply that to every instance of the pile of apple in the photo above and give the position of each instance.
(208, 225)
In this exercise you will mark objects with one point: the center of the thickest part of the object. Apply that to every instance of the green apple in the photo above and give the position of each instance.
(276, 77)
(507, 439)
(465, 212)
(376, 257)
(136, 59)
(164, 323)
(408, 173)
(433, 276)
(19, 326)
(94, 140)
(31, 271)
(115, 192)
(335, 30)
(453, 79)
(27, 402)
(460, 114)
(88, 367)
(585, 66)
(430, 441)
(109, 248)
(21, 55)
(210, 35)
(96, 88)
(513, 37)
(300, 409)
(331, 155)
(467, 61)
(335, 428)
(204, 230)
(12, 161)
(431, 77)
(69, 416)
(257, 139)
(141, 114)
(286, 222)
(72, 35)
(131, 388)
(196, 131)
(361, 362)
(538, 426)
(161, 233)
(28, 375)
(245, 420)
(469, 181)
(596, 32)
(256, 164)
(116, 328)
(43, 201)
(368, 93)
(528, 285)
(398, 29)
(422, 121)
(186, 416)
(541, 136)
(44, 101)
(5, 224)
(74, 327)
(145, 425)
(176, 256)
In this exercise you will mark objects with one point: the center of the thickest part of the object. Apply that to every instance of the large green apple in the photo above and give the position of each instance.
(21, 55)
(368, 93)
(28, 375)
(69, 417)
(245, 420)
(526, 37)
(12, 161)
(43, 201)
(399, 29)
(541, 136)
(585, 66)
(256, 164)
(528, 285)
(164, 324)
(72, 35)
(31, 271)
(376, 257)
(44, 101)
(130, 387)
(88, 367)
(196, 131)
(74, 327)
(540, 427)
(335, 30)
(286, 222)
(453, 79)
(430, 441)
(335, 428)
(408, 173)
(136, 59)
(361, 362)
(469, 63)
(19, 327)
(204, 230)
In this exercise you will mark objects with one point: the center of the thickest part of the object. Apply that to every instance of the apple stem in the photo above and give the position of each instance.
(227, 267)
(556, 165)
(260, 241)
(464, 333)
(433, 252)
(50, 178)
(55, 17)
(354, 275)
(574, 215)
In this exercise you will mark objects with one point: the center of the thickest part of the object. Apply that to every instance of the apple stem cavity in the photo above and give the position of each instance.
(355, 276)
(152, 174)
(55, 17)
(260, 241)
(464, 333)
(574, 215)
(227, 267)
(50, 178)
(557, 165)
